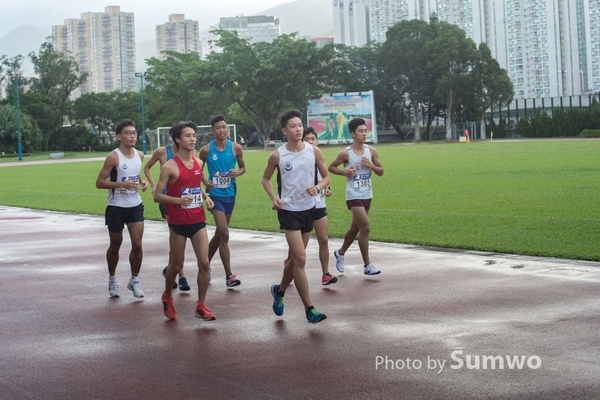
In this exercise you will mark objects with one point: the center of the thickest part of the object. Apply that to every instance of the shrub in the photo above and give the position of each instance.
(591, 133)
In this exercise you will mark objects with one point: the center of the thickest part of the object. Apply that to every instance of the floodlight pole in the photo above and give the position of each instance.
(16, 79)
(143, 76)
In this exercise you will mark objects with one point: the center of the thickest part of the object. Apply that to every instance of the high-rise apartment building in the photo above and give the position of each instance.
(104, 46)
(259, 28)
(549, 47)
(179, 34)
(351, 22)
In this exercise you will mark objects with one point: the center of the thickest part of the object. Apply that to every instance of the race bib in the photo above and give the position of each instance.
(361, 181)
(221, 180)
(135, 178)
(196, 193)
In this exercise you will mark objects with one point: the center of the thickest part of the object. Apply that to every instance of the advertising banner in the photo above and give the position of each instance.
(329, 116)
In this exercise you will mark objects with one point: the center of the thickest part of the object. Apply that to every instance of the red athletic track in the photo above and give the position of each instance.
(64, 338)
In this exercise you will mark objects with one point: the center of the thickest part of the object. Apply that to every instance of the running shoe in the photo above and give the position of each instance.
(371, 270)
(169, 306)
(134, 286)
(313, 316)
(339, 261)
(203, 312)
(232, 281)
(113, 289)
(328, 279)
(277, 300)
(165, 275)
(183, 285)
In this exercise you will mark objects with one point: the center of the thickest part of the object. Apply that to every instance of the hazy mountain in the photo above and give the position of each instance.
(23, 40)
(310, 18)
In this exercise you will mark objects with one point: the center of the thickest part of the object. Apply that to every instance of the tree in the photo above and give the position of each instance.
(264, 79)
(30, 132)
(492, 85)
(403, 55)
(178, 89)
(360, 69)
(57, 77)
(452, 54)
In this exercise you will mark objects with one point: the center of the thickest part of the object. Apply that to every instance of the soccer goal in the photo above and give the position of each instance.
(203, 136)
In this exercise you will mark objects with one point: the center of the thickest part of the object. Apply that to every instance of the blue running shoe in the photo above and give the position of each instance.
(313, 316)
(277, 300)
(183, 285)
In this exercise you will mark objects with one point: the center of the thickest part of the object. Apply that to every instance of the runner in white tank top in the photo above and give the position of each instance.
(360, 161)
(120, 174)
(295, 205)
(127, 170)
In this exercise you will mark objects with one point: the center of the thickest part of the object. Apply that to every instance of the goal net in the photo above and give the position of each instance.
(203, 136)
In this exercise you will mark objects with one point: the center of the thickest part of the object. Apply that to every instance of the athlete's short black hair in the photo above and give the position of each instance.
(176, 129)
(123, 124)
(355, 123)
(289, 114)
(217, 118)
(309, 130)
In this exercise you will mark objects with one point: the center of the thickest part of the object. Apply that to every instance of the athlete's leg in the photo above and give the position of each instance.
(177, 251)
(297, 242)
(350, 235)
(361, 218)
(220, 240)
(112, 254)
(322, 231)
(200, 244)
(136, 231)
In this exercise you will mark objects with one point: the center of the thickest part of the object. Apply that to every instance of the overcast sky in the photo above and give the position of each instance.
(148, 13)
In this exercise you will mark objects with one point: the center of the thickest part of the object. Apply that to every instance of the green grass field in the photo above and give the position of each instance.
(526, 197)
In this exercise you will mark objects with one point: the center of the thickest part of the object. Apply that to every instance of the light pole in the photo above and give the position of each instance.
(143, 76)
(16, 79)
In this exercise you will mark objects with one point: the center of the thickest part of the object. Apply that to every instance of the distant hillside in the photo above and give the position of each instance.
(23, 40)
(312, 18)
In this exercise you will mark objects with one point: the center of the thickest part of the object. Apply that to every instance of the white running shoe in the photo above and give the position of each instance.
(113, 289)
(135, 287)
(339, 260)
(371, 270)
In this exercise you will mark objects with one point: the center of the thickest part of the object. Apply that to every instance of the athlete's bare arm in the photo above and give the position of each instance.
(168, 174)
(341, 158)
(272, 163)
(239, 156)
(375, 164)
(102, 182)
(159, 155)
(322, 167)
(202, 156)
(143, 182)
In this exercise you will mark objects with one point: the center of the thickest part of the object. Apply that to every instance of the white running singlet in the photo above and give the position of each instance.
(359, 186)
(295, 174)
(127, 170)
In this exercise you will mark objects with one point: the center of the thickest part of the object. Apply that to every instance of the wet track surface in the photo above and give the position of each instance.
(401, 334)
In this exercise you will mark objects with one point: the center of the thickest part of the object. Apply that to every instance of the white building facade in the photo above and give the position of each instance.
(104, 46)
(179, 34)
(550, 48)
